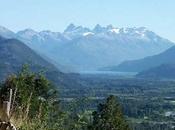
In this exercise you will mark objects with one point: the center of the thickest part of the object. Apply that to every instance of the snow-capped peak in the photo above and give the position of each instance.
(49, 33)
(28, 32)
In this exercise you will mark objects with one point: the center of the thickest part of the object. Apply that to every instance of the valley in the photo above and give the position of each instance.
(144, 102)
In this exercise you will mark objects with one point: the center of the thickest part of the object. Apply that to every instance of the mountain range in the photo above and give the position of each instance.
(81, 49)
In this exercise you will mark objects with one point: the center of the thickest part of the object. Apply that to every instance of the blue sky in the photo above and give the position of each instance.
(55, 15)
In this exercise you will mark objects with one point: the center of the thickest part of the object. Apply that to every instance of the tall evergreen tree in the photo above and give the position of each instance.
(109, 116)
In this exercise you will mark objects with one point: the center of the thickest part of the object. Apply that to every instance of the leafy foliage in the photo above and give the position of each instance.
(34, 98)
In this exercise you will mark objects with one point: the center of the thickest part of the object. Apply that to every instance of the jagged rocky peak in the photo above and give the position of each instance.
(71, 27)
(49, 33)
(98, 29)
(110, 26)
(76, 29)
(28, 31)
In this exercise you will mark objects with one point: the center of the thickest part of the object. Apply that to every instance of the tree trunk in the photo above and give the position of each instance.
(28, 106)
(13, 101)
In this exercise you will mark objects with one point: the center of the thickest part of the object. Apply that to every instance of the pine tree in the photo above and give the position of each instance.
(109, 116)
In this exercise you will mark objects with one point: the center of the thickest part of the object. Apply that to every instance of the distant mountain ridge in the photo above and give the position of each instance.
(4, 32)
(164, 71)
(166, 57)
(81, 48)
(15, 49)
(14, 54)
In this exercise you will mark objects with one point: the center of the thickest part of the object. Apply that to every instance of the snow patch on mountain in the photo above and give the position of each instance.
(115, 30)
(88, 33)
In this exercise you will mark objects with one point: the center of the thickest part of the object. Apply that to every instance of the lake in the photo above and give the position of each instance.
(111, 73)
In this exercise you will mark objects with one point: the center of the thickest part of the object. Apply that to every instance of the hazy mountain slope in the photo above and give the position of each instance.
(14, 54)
(45, 39)
(166, 71)
(166, 57)
(6, 33)
(46, 44)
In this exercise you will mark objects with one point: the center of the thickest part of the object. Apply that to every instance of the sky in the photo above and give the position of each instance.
(56, 15)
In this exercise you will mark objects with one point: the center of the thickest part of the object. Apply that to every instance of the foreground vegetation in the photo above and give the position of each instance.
(36, 106)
